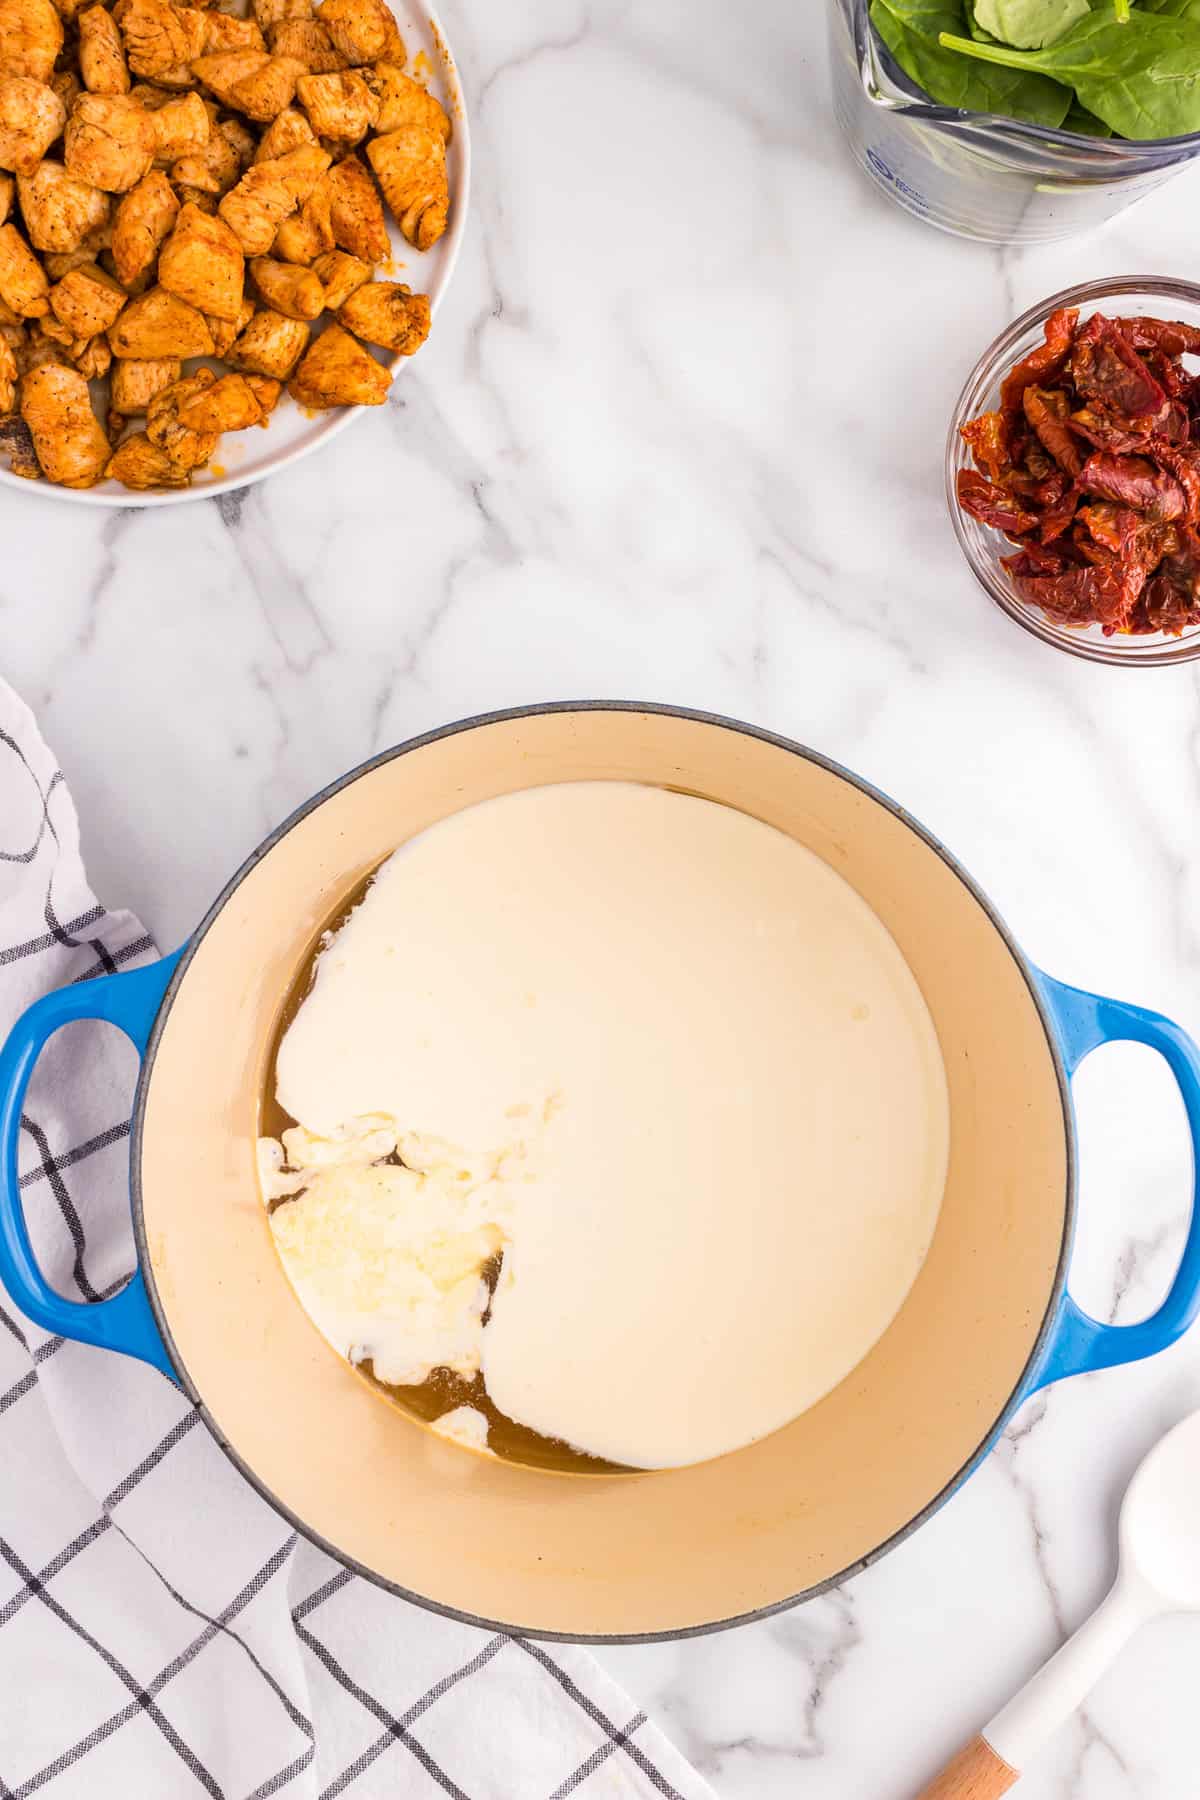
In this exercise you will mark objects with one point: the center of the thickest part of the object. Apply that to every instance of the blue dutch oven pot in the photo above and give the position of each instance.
(462, 1501)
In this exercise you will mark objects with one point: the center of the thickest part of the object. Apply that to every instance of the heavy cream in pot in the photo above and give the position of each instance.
(621, 1100)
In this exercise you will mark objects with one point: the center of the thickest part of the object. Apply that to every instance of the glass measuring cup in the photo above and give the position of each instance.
(978, 175)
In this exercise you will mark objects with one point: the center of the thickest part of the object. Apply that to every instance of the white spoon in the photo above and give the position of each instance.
(1159, 1573)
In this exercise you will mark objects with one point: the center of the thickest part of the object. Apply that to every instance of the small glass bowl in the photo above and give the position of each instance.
(984, 547)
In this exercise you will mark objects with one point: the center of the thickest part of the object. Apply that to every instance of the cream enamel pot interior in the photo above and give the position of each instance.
(622, 1555)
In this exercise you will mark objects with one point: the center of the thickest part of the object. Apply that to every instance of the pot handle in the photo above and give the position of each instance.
(1081, 1344)
(125, 1321)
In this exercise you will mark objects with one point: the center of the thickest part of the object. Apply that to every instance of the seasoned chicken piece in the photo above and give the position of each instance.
(272, 12)
(250, 81)
(17, 440)
(136, 380)
(150, 95)
(268, 192)
(224, 331)
(357, 212)
(229, 405)
(87, 300)
(340, 274)
(39, 348)
(144, 218)
(309, 42)
(101, 56)
(31, 118)
(67, 435)
(240, 139)
(160, 324)
(270, 345)
(403, 101)
(110, 141)
(411, 168)
(340, 108)
(287, 132)
(67, 86)
(363, 30)
(160, 38)
(59, 211)
(31, 36)
(202, 263)
(141, 465)
(266, 391)
(188, 449)
(295, 292)
(7, 189)
(389, 314)
(304, 235)
(94, 360)
(181, 128)
(337, 371)
(222, 31)
(23, 283)
(8, 379)
(211, 171)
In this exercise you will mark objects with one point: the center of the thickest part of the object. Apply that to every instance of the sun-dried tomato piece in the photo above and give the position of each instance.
(1108, 368)
(1079, 596)
(1046, 360)
(991, 505)
(988, 440)
(1181, 464)
(1171, 336)
(1134, 481)
(1048, 414)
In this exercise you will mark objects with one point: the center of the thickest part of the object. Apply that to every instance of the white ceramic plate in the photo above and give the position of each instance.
(246, 456)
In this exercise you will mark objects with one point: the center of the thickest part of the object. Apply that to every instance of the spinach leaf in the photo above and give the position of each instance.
(1084, 123)
(951, 80)
(1141, 78)
(1173, 9)
(1028, 24)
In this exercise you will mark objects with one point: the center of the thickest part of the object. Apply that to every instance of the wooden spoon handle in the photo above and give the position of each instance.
(976, 1773)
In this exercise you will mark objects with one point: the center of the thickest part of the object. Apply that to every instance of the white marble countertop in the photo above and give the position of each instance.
(678, 436)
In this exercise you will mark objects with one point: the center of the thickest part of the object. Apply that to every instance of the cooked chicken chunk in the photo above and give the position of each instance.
(160, 324)
(23, 283)
(101, 57)
(240, 138)
(250, 81)
(337, 371)
(231, 404)
(222, 31)
(202, 263)
(403, 101)
(67, 86)
(273, 12)
(340, 108)
(87, 300)
(224, 331)
(287, 132)
(411, 167)
(304, 235)
(268, 192)
(144, 218)
(31, 118)
(270, 345)
(7, 189)
(187, 449)
(31, 36)
(295, 292)
(266, 391)
(141, 465)
(310, 44)
(357, 212)
(59, 210)
(212, 170)
(95, 359)
(181, 128)
(388, 314)
(340, 274)
(67, 435)
(160, 38)
(110, 141)
(8, 379)
(151, 96)
(365, 31)
(136, 380)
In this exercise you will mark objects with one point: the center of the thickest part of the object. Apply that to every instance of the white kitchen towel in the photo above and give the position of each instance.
(163, 1632)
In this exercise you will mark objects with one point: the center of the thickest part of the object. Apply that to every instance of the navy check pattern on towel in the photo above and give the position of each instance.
(163, 1632)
